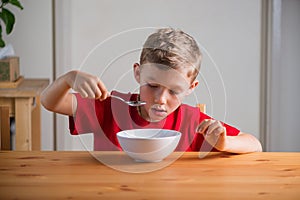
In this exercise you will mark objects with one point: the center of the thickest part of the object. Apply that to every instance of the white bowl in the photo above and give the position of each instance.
(148, 145)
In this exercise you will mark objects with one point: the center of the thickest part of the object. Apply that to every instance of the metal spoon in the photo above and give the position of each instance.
(130, 103)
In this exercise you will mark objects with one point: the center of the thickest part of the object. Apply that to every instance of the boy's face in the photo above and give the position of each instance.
(163, 89)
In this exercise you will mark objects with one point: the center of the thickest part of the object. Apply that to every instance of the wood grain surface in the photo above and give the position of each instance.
(79, 175)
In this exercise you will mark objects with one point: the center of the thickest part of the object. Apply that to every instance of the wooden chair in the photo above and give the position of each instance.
(4, 128)
(202, 107)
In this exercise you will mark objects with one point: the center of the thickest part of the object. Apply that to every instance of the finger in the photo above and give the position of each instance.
(93, 88)
(97, 93)
(91, 93)
(96, 87)
(203, 126)
(104, 93)
(212, 127)
(223, 131)
(82, 93)
(87, 88)
(217, 132)
(96, 90)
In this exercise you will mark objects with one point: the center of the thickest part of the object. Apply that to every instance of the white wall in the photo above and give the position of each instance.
(32, 41)
(229, 30)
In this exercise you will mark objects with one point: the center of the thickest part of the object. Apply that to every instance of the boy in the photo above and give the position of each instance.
(169, 64)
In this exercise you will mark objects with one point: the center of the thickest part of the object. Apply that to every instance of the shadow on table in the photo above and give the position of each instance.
(208, 156)
(121, 162)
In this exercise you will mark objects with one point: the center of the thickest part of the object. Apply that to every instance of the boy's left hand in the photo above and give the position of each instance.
(214, 133)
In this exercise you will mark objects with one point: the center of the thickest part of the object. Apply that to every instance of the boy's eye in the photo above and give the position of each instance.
(174, 92)
(152, 85)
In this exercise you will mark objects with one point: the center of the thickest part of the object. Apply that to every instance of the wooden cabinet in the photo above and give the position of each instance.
(24, 104)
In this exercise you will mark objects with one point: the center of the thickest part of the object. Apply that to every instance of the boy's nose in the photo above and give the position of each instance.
(161, 96)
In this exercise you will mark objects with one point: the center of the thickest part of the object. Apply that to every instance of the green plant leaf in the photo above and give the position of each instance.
(5, 1)
(8, 19)
(2, 43)
(16, 3)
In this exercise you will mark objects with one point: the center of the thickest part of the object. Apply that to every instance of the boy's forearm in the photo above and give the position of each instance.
(56, 97)
(243, 143)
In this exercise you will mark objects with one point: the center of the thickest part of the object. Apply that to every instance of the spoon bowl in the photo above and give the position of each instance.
(130, 103)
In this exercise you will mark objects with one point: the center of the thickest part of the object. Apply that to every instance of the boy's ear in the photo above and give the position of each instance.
(137, 72)
(192, 87)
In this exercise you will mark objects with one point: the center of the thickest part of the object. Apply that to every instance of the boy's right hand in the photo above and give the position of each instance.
(87, 85)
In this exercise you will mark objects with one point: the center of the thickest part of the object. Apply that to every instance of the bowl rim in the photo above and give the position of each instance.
(177, 134)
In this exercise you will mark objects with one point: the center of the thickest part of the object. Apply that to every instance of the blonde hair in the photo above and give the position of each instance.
(172, 48)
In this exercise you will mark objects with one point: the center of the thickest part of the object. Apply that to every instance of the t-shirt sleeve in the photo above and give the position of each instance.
(72, 127)
(231, 131)
(85, 119)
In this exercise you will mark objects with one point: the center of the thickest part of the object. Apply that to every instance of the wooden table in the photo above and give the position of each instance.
(78, 175)
(24, 105)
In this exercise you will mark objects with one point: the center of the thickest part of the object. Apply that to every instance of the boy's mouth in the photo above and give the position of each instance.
(159, 112)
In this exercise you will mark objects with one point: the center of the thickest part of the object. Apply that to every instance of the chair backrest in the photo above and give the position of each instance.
(202, 107)
(4, 128)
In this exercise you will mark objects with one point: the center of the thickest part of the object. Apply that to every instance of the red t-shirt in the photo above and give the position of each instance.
(106, 118)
